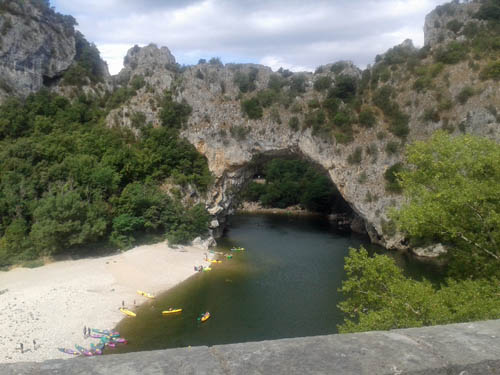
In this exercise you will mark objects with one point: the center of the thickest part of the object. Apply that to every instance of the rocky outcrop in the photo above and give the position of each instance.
(232, 142)
(37, 45)
(446, 22)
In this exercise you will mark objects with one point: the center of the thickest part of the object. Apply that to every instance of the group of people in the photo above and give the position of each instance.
(21, 346)
(199, 268)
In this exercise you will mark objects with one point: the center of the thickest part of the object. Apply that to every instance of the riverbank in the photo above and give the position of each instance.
(257, 208)
(52, 304)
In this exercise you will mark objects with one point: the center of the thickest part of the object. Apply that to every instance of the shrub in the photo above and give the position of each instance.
(275, 115)
(342, 118)
(392, 182)
(392, 148)
(294, 123)
(430, 114)
(344, 137)
(285, 73)
(345, 88)
(454, 25)
(367, 118)
(137, 82)
(215, 61)
(244, 81)
(276, 82)
(471, 29)
(464, 95)
(356, 156)
(338, 67)
(298, 83)
(199, 74)
(313, 103)
(322, 83)
(239, 132)
(491, 71)
(382, 99)
(399, 125)
(489, 10)
(422, 83)
(452, 53)
(362, 178)
(252, 108)
(267, 97)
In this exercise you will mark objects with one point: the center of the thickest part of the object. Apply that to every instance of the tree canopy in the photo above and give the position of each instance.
(292, 181)
(67, 180)
(452, 186)
(452, 190)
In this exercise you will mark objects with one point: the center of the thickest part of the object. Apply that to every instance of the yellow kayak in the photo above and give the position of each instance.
(167, 312)
(128, 312)
(206, 269)
(145, 294)
(205, 316)
(215, 261)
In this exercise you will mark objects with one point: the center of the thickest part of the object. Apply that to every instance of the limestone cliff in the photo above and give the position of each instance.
(37, 46)
(428, 95)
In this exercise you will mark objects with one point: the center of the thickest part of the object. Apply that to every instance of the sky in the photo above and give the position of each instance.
(294, 34)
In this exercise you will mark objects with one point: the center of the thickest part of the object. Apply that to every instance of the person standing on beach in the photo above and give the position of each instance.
(34, 344)
(85, 331)
(22, 348)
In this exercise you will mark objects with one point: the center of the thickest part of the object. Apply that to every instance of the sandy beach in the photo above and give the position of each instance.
(52, 304)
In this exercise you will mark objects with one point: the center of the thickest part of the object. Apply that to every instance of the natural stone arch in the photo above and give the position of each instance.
(229, 185)
(229, 140)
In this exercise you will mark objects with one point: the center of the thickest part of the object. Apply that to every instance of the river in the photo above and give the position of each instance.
(285, 284)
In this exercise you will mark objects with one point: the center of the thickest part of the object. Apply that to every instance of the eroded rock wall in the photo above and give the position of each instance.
(36, 45)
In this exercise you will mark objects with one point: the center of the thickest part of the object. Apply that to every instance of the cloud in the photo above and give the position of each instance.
(291, 33)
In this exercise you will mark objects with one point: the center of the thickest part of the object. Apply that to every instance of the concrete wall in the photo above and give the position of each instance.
(462, 349)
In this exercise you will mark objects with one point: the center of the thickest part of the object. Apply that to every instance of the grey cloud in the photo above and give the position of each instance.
(252, 30)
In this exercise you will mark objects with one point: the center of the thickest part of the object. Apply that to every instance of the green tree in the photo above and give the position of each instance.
(379, 297)
(453, 196)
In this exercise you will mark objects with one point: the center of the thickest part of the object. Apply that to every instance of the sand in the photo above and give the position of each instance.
(52, 304)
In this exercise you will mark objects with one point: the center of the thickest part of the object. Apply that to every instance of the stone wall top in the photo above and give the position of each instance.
(467, 348)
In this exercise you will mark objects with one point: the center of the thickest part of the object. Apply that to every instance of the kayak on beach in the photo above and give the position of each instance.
(95, 349)
(84, 351)
(145, 294)
(99, 335)
(68, 351)
(215, 261)
(107, 332)
(206, 269)
(128, 312)
(173, 311)
(238, 249)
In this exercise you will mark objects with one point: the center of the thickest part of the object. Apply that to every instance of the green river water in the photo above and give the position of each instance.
(284, 285)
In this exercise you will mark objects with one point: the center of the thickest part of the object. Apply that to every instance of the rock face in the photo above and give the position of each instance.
(445, 22)
(232, 142)
(36, 46)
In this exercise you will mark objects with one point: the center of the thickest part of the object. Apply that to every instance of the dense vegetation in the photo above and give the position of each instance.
(290, 182)
(453, 197)
(87, 67)
(66, 180)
